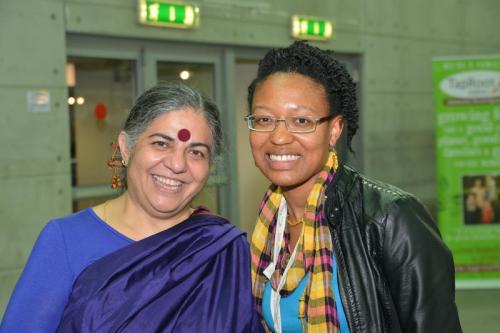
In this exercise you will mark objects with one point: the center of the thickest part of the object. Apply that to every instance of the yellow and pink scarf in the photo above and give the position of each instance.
(314, 254)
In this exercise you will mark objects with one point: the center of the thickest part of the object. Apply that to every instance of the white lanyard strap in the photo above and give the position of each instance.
(278, 237)
(268, 272)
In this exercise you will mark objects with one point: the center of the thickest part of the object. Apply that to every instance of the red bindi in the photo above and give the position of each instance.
(184, 134)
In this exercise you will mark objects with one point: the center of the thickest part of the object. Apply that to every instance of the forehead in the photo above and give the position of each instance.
(290, 91)
(172, 122)
(291, 81)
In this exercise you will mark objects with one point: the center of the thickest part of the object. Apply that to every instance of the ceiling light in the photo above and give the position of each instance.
(184, 75)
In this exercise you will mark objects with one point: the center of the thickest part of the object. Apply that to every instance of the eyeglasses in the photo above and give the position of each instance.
(294, 124)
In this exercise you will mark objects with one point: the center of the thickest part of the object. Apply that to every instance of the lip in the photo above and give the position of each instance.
(282, 161)
(167, 183)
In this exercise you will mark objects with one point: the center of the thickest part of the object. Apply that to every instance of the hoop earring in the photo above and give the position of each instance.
(116, 163)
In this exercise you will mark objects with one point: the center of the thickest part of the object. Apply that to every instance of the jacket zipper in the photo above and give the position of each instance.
(340, 271)
(342, 284)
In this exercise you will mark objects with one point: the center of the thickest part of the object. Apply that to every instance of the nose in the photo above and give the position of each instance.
(176, 161)
(281, 135)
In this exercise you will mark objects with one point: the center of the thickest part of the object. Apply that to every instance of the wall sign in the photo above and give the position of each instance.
(38, 101)
(311, 28)
(467, 103)
(170, 14)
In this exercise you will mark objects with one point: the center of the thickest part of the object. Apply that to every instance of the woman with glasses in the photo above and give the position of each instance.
(332, 250)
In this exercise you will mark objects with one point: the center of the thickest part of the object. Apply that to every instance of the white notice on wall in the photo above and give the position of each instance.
(38, 100)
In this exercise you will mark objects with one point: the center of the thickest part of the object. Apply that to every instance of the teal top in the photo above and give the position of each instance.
(289, 306)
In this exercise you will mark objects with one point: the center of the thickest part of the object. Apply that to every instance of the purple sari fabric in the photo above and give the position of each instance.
(194, 277)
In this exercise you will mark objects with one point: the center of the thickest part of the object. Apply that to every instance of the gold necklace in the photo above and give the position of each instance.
(293, 223)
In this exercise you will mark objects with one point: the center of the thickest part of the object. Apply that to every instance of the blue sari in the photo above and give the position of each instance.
(193, 277)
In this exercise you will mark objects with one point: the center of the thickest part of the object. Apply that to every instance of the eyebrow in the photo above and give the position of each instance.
(198, 144)
(163, 136)
(296, 108)
(170, 139)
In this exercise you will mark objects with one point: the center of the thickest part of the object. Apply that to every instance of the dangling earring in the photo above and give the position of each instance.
(116, 163)
(334, 156)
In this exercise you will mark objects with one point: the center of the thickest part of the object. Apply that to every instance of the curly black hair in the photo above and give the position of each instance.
(320, 66)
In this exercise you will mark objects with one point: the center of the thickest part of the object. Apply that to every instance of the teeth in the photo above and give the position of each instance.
(167, 181)
(283, 158)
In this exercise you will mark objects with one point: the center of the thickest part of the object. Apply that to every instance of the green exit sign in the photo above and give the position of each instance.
(311, 28)
(168, 14)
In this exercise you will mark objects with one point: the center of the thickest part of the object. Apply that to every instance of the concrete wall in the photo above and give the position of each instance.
(396, 38)
(34, 152)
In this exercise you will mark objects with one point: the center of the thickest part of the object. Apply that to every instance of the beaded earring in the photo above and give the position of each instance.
(116, 163)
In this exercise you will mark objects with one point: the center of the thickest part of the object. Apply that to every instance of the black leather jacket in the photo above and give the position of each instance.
(396, 274)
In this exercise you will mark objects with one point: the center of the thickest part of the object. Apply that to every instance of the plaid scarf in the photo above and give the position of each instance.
(314, 254)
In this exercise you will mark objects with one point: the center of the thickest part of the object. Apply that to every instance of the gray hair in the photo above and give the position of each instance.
(166, 97)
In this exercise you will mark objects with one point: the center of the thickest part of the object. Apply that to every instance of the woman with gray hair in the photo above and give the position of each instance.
(146, 261)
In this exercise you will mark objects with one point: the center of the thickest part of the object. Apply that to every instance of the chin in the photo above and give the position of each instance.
(283, 181)
(165, 206)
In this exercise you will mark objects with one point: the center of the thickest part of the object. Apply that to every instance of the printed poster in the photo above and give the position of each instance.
(467, 104)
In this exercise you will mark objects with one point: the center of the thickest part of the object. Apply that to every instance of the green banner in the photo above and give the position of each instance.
(467, 103)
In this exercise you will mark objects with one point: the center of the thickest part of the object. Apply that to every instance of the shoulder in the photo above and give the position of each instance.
(54, 231)
(61, 234)
(381, 199)
(378, 198)
(53, 238)
(388, 205)
(83, 227)
(403, 219)
(232, 231)
(62, 228)
(77, 220)
(85, 238)
(215, 221)
(373, 196)
(376, 202)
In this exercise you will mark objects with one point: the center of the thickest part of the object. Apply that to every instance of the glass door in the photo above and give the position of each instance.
(108, 75)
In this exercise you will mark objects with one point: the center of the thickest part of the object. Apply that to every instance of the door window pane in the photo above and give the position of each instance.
(100, 96)
(198, 76)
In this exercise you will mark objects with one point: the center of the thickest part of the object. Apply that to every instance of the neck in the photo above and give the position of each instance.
(296, 198)
(126, 215)
(296, 204)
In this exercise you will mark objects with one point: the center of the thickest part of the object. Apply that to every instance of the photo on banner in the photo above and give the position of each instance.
(480, 199)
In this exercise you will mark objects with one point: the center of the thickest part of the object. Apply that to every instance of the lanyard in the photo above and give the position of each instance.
(268, 272)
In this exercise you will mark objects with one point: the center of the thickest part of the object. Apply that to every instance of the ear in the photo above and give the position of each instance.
(336, 127)
(124, 149)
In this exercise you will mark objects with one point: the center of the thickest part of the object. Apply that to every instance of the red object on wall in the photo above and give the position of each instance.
(101, 111)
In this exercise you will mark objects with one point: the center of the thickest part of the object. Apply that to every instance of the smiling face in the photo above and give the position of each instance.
(165, 173)
(292, 160)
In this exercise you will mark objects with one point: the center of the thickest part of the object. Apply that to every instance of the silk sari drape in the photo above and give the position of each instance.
(193, 277)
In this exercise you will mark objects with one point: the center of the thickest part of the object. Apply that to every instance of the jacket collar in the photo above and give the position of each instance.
(338, 191)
